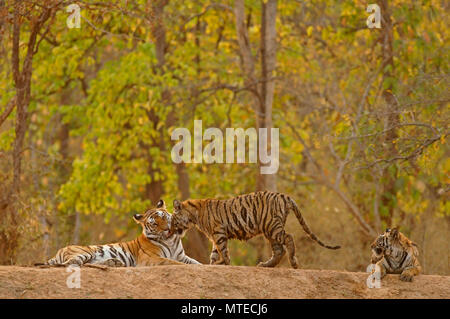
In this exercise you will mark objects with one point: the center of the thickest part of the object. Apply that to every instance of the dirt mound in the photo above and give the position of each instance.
(202, 281)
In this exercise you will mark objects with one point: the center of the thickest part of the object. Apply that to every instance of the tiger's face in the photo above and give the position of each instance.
(383, 245)
(155, 222)
(180, 219)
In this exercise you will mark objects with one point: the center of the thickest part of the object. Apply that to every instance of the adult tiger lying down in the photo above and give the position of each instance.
(243, 217)
(153, 247)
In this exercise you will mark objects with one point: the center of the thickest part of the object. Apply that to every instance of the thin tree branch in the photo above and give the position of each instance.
(418, 151)
(8, 109)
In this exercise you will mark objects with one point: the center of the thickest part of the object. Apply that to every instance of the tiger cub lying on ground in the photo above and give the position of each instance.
(152, 247)
(394, 253)
(242, 217)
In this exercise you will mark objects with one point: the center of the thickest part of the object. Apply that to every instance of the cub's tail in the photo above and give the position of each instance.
(306, 228)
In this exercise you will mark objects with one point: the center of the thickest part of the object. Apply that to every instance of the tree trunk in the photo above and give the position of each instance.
(389, 176)
(262, 88)
(268, 62)
(63, 175)
(155, 189)
(9, 234)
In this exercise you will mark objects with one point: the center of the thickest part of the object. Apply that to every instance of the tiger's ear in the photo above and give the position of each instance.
(160, 204)
(394, 232)
(137, 217)
(177, 204)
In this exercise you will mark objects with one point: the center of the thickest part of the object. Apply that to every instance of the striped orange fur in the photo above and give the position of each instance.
(243, 217)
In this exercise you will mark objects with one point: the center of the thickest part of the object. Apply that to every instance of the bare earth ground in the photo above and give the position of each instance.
(204, 281)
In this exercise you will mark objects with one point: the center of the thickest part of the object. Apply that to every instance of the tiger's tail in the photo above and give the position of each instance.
(58, 259)
(50, 262)
(306, 228)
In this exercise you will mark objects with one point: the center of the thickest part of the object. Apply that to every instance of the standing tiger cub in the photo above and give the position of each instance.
(153, 247)
(394, 253)
(243, 217)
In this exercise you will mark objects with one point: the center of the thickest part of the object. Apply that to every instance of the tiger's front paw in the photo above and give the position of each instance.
(405, 276)
(113, 263)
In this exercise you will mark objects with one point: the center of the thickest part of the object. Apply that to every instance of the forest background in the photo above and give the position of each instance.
(86, 116)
